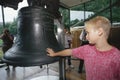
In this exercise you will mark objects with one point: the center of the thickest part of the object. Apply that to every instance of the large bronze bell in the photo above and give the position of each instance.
(35, 34)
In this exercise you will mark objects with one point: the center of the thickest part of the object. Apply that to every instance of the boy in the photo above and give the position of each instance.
(102, 60)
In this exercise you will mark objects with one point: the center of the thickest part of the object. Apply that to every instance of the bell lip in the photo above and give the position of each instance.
(26, 64)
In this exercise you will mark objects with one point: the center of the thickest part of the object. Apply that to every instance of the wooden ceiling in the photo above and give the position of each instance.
(63, 3)
(71, 3)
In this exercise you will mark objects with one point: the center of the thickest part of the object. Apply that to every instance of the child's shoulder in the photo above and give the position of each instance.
(116, 50)
(116, 53)
(87, 47)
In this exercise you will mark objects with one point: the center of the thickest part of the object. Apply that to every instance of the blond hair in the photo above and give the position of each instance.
(100, 22)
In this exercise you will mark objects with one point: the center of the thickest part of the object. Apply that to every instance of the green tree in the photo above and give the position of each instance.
(65, 17)
(99, 7)
(12, 26)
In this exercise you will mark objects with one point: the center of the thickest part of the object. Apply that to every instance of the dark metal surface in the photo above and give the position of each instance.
(62, 72)
(35, 34)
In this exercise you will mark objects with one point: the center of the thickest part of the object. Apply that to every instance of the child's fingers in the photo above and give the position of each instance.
(48, 54)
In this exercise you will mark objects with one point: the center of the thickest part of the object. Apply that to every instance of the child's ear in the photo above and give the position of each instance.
(100, 31)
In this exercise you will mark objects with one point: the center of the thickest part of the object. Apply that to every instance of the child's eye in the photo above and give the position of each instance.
(87, 32)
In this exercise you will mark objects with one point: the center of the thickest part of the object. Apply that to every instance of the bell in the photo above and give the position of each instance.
(35, 34)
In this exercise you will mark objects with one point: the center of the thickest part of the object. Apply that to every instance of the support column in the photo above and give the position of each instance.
(3, 16)
(62, 72)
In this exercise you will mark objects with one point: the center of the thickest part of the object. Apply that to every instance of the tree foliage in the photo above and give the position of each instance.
(12, 26)
(99, 7)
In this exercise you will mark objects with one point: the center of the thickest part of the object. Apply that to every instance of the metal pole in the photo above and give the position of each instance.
(69, 17)
(111, 11)
(62, 72)
(84, 12)
(3, 16)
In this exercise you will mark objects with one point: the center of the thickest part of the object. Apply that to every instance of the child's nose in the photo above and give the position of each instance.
(86, 36)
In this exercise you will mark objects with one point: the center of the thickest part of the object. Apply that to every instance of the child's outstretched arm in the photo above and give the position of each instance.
(66, 52)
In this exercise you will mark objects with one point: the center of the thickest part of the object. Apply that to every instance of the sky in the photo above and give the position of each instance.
(79, 15)
(10, 14)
